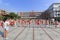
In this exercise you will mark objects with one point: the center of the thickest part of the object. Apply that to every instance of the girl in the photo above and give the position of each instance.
(6, 28)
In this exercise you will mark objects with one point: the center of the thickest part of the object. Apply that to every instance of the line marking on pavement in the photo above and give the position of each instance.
(48, 34)
(19, 33)
(33, 33)
(56, 31)
(26, 35)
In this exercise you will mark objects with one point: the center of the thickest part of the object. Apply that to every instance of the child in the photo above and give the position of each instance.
(22, 23)
(6, 28)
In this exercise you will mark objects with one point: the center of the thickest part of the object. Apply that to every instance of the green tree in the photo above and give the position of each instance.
(12, 15)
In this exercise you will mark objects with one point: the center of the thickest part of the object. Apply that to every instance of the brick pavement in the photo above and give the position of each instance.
(26, 33)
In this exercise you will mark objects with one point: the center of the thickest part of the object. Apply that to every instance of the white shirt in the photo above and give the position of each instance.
(6, 23)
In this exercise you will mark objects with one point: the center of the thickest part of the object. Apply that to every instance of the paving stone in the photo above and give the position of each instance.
(27, 34)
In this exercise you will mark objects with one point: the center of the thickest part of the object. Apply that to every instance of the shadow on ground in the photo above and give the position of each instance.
(1, 33)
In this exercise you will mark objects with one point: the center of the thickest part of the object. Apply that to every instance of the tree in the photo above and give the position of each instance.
(1, 17)
(12, 15)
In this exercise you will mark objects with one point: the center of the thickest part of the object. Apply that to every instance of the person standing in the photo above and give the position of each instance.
(1, 23)
(22, 23)
(6, 28)
(15, 23)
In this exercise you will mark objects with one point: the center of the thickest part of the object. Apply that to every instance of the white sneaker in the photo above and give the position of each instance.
(5, 38)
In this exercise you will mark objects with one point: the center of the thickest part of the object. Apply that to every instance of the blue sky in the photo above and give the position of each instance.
(26, 5)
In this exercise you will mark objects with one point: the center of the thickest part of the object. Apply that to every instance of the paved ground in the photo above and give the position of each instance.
(26, 33)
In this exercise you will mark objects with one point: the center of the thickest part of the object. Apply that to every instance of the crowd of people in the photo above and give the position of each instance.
(5, 24)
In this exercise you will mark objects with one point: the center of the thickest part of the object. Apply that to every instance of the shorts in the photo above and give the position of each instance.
(6, 28)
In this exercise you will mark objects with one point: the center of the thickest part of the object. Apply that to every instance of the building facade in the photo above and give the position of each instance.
(3, 12)
(54, 10)
(29, 14)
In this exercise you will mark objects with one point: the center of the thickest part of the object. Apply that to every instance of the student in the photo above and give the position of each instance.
(11, 22)
(22, 23)
(6, 28)
(15, 25)
(1, 24)
(37, 22)
(18, 22)
(29, 22)
(56, 24)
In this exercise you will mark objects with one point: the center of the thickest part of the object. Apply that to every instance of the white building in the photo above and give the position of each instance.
(54, 10)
